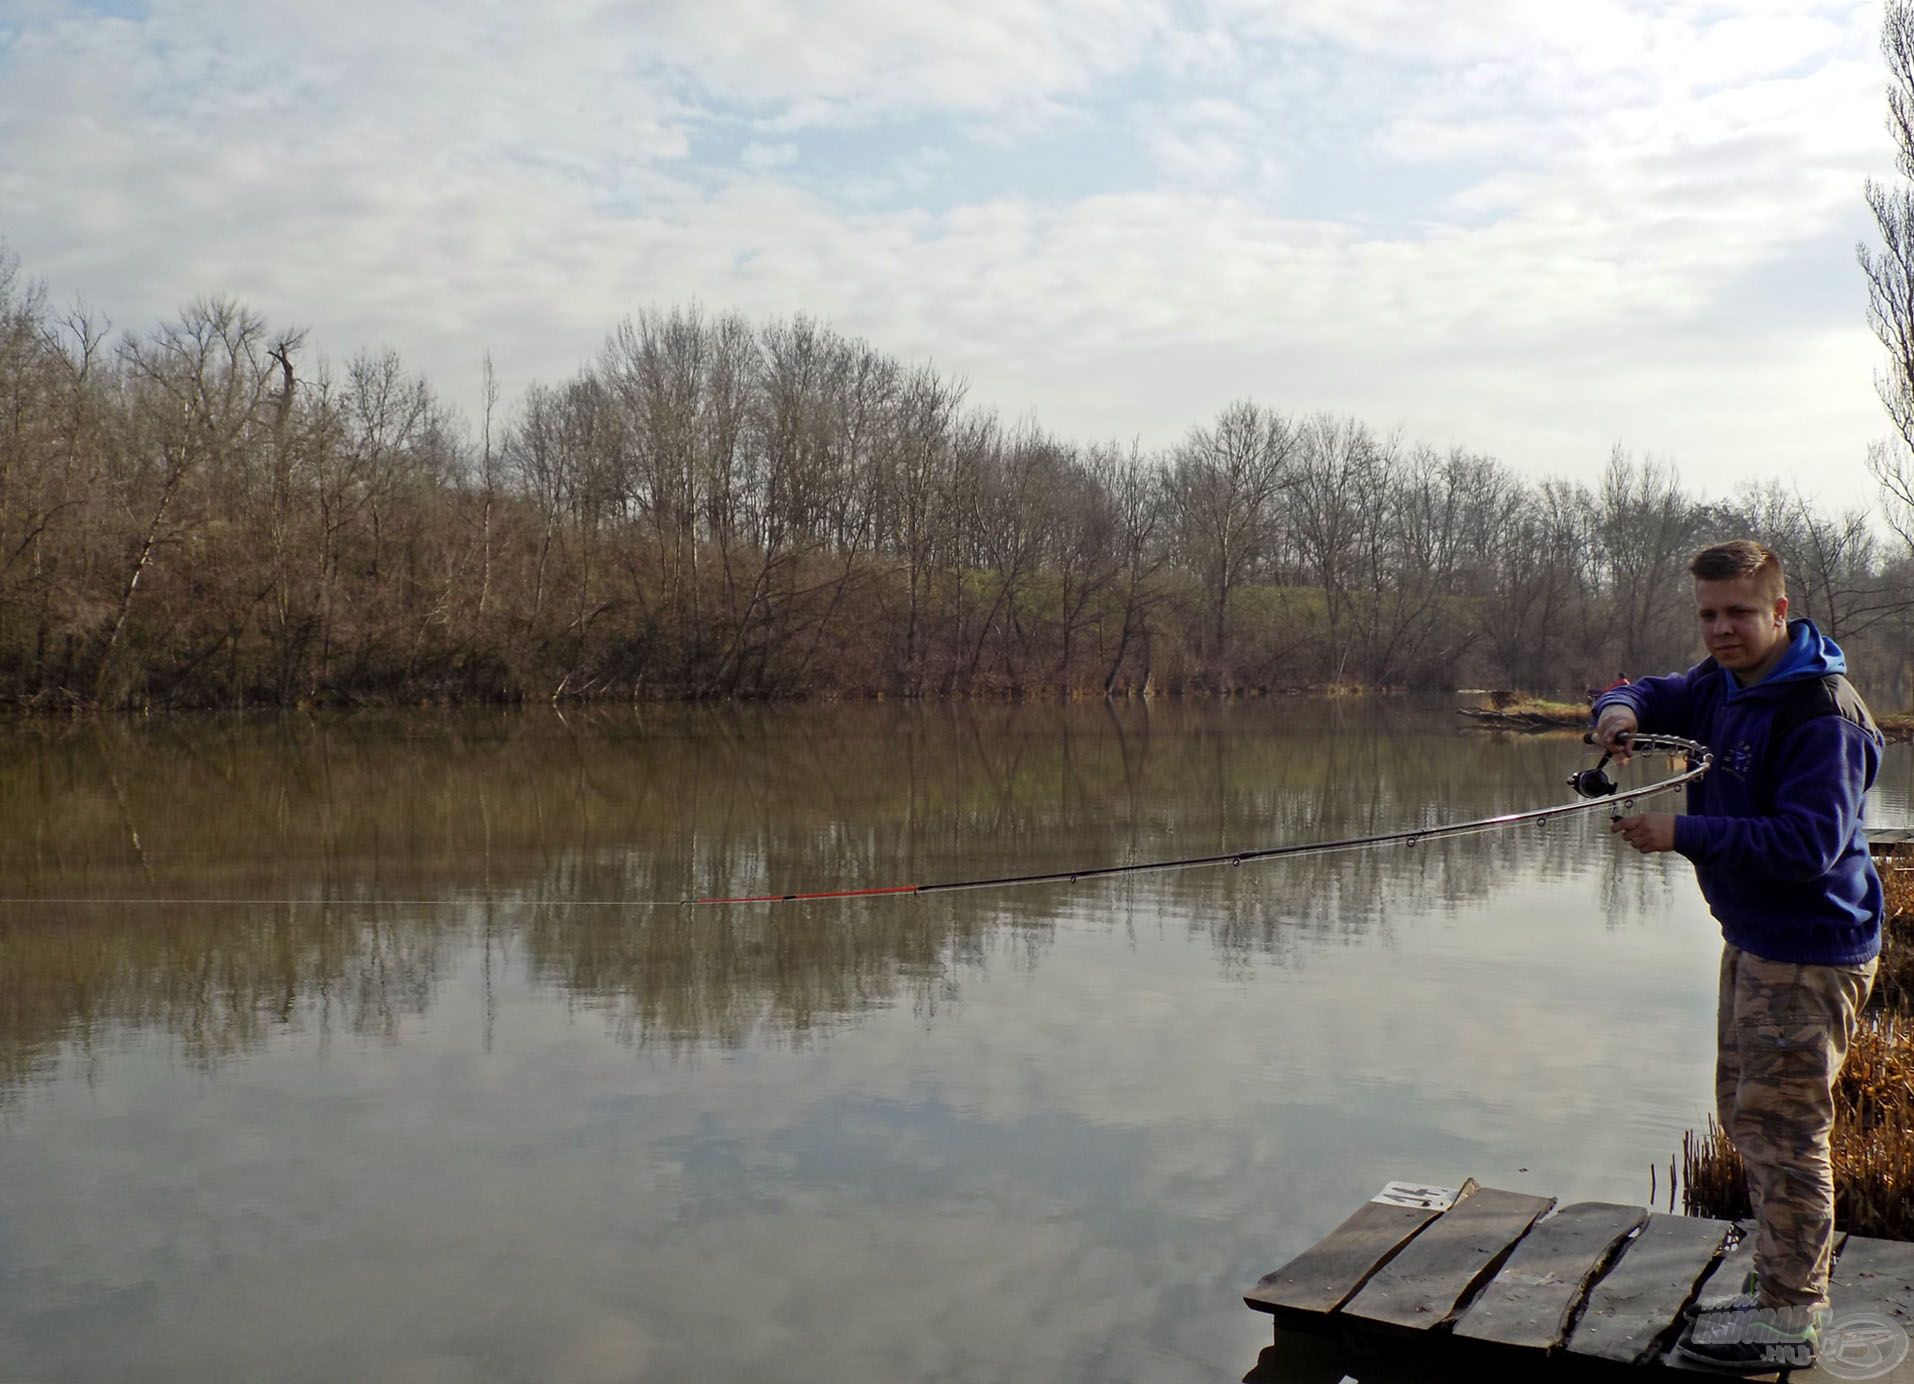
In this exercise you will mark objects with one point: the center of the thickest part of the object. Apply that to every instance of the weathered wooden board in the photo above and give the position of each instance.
(1529, 1301)
(1435, 1273)
(1871, 1294)
(1613, 1279)
(1886, 838)
(1323, 1277)
(1731, 1269)
(1729, 1273)
(1632, 1308)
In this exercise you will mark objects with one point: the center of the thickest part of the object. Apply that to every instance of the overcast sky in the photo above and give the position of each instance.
(1534, 228)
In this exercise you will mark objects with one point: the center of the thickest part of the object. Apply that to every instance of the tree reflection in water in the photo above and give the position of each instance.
(381, 847)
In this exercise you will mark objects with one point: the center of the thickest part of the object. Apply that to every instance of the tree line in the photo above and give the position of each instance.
(208, 513)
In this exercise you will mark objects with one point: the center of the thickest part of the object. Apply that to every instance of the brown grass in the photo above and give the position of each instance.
(1520, 711)
(1873, 1143)
(1571, 713)
(1894, 982)
(1874, 1103)
(1897, 879)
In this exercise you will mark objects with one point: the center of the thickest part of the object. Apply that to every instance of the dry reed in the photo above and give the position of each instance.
(1894, 982)
(1874, 1103)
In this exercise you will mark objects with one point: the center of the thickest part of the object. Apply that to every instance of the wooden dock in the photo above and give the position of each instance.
(1502, 1284)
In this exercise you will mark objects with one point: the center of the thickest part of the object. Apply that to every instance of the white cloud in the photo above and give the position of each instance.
(1748, 46)
(905, 175)
(1210, 143)
(762, 157)
(830, 61)
(1640, 177)
(1427, 139)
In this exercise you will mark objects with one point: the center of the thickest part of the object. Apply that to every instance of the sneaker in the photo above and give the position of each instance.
(1757, 1340)
(1744, 1301)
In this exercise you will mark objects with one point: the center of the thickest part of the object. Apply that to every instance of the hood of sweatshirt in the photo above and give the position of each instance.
(1810, 654)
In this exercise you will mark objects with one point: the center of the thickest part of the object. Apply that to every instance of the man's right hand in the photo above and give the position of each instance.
(1614, 728)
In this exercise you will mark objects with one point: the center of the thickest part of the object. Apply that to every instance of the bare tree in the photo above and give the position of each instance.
(202, 382)
(1838, 572)
(915, 475)
(1646, 526)
(1224, 483)
(1338, 483)
(1890, 275)
(1139, 503)
(211, 514)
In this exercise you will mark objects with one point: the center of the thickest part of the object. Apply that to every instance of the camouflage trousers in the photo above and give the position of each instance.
(1782, 1034)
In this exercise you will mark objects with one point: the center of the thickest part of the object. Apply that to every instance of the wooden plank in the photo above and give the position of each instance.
(1323, 1277)
(1871, 1296)
(1437, 1271)
(1724, 1281)
(1634, 1307)
(1886, 838)
(1874, 1276)
(1531, 1298)
(1732, 1269)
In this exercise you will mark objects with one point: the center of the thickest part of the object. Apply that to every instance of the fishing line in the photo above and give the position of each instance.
(1594, 789)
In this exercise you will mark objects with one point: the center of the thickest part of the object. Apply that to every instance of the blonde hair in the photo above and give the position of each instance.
(1743, 557)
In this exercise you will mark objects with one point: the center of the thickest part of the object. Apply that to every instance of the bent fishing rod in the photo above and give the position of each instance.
(1593, 787)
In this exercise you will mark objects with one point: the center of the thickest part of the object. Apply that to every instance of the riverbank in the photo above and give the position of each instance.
(1528, 714)
(1538, 714)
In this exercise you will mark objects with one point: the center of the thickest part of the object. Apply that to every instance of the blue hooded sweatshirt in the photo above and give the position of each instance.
(1775, 832)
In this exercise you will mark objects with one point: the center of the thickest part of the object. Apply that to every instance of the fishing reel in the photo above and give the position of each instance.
(1595, 782)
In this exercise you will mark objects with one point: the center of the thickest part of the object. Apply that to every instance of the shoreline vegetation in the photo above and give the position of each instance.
(211, 514)
(1520, 712)
(1874, 1101)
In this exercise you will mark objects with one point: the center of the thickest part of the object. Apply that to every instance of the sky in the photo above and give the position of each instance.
(1530, 228)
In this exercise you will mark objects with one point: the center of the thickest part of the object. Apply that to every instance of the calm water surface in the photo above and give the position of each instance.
(467, 1110)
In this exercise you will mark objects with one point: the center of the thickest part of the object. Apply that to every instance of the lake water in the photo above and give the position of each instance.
(378, 1067)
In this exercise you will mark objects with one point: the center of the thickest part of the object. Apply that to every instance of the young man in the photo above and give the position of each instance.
(1775, 834)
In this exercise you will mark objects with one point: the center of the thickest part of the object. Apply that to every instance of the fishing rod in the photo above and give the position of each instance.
(1593, 787)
